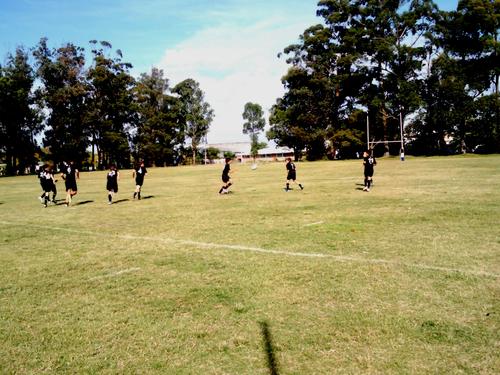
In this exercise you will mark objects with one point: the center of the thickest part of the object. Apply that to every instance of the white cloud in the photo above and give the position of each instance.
(235, 65)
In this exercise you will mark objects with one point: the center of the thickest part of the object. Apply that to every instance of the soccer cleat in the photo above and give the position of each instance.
(365, 189)
(40, 199)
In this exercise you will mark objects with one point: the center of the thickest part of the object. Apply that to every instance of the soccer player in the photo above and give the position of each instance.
(112, 182)
(70, 174)
(49, 186)
(369, 162)
(225, 177)
(139, 174)
(39, 172)
(291, 174)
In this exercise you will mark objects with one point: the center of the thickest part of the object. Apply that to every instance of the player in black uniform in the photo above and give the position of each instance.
(369, 162)
(39, 170)
(139, 173)
(112, 182)
(70, 174)
(225, 177)
(48, 184)
(291, 174)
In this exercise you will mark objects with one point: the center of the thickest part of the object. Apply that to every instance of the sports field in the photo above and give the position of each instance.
(404, 279)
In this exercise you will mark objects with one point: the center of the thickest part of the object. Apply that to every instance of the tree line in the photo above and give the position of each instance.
(388, 63)
(391, 63)
(96, 113)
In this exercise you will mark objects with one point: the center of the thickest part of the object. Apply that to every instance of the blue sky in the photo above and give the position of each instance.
(229, 46)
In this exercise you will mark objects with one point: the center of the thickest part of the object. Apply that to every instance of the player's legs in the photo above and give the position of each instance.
(111, 194)
(54, 193)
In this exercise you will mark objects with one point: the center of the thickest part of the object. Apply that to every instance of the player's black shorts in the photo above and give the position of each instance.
(49, 187)
(291, 176)
(139, 181)
(112, 187)
(70, 185)
(45, 186)
(368, 172)
(225, 178)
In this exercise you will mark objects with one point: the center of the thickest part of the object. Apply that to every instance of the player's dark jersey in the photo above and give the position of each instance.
(112, 181)
(225, 173)
(140, 172)
(369, 162)
(292, 174)
(47, 181)
(69, 172)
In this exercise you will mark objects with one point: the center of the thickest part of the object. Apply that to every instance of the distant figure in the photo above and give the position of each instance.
(139, 174)
(70, 174)
(226, 179)
(112, 182)
(357, 155)
(369, 162)
(402, 154)
(49, 185)
(291, 174)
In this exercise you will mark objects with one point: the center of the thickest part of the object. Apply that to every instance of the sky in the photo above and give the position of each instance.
(229, 46)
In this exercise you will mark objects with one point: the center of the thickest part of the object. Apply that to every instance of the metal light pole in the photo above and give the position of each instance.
(368, 130)
(402, 151)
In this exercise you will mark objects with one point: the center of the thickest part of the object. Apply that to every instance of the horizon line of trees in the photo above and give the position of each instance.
(96, 113)
(393, 62)
(405, 61)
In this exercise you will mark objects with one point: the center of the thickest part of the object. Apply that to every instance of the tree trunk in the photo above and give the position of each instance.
(194, 146)
(384, 126)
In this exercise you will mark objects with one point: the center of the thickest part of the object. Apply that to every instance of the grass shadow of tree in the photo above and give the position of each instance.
(269, 350)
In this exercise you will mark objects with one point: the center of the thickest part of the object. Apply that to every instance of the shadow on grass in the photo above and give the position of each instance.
(121, 200)
(358, 188)
(147, 197)
(84, 202)
(360, 184)
(272, 364)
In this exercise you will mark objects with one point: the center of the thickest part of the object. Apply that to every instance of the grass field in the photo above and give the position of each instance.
(404, 279)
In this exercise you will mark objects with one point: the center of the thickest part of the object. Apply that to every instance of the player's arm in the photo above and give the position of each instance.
(133, 174)
(117, 175)
(77, 173)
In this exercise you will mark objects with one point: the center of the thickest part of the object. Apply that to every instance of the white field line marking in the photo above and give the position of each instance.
(113, 274)
(210, 245)
(316, 223)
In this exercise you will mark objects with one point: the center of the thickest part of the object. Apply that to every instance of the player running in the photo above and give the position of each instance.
(70, 174)
(112, 182)
(369, 162)
(139, 174)
(226, 179)
(48, 184)
(291, 175)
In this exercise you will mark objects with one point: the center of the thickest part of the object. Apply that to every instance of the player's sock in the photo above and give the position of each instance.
(135, 194)
(228, 185)
(287, 186)
(110, 198)
(301, 187)
(369, 183)
(221, 190)
(46, 200)
(139, 195)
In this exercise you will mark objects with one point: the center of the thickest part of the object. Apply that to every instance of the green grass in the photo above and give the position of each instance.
(402, 280)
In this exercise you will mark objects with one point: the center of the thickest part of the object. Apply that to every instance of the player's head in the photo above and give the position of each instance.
(367, 153)
(142, 163)
(112, 167)
(228, 160)
(288, 160)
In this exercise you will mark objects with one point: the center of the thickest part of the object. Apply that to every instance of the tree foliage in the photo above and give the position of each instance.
(253, 125)
(20, 120)
(196, 113)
